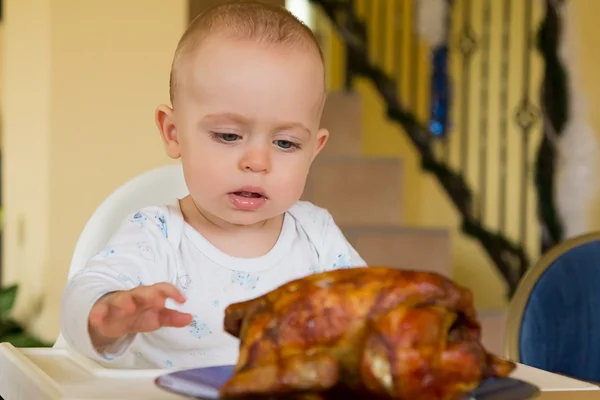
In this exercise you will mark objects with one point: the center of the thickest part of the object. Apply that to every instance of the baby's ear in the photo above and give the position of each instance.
(322, 136)
(165, 121)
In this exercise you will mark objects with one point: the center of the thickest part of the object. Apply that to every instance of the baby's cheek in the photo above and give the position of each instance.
(207, 176)
(289, 183)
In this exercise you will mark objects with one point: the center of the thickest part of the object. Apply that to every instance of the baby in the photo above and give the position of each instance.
(247, 93)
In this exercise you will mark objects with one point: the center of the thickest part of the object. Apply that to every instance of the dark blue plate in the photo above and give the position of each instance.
(204, 383)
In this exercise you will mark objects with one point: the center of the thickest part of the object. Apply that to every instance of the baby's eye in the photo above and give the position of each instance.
(286, 144)
(229, 137)
(226, 137)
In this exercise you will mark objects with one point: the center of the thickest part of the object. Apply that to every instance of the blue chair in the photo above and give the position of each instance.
(553, 320)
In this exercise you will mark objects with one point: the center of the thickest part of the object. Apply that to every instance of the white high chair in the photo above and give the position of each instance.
(155, 187)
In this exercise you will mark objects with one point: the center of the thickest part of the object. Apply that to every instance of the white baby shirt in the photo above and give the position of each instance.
(155, 245)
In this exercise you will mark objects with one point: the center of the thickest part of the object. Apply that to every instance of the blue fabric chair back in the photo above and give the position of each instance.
(560, 325)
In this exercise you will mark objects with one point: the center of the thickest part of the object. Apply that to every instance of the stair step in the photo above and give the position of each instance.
(342, 117)
(493, 327)
(358, 191)
(406, 248)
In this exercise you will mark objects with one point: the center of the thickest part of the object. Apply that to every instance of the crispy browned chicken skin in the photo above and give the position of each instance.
(360, 332)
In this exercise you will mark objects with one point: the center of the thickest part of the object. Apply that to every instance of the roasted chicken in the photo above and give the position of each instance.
(363, 333)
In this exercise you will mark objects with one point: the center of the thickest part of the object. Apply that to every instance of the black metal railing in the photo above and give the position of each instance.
(447, 152)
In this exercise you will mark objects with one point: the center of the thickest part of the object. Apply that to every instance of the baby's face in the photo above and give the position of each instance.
(247, 122)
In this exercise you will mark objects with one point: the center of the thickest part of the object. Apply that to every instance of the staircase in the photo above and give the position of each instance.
(508, 256)
(364, 196)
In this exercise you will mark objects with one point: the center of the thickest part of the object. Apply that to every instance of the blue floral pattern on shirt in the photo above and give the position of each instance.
(139, 219)
(244, 279)
(162, 223)
(198, 328)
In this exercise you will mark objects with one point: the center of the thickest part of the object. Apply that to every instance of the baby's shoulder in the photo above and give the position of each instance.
(315, 221)
(159, 215)
(157, 220)
(309, 215)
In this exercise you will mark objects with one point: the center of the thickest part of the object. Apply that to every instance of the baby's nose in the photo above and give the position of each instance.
(256, 160)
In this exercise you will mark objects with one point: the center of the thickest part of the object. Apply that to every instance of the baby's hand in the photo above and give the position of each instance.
(131, 311)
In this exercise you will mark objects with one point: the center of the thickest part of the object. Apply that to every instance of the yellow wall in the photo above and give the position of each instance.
(426, 204)
(80, 83)
(587, 59)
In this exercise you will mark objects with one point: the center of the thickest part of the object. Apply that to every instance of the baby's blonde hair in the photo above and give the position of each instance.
(243, 19)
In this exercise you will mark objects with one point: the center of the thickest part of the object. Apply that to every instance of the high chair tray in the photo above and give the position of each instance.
(60, 374)
(53, 374)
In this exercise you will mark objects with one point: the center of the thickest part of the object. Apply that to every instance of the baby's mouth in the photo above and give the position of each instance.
(251, 195)
(248, 199)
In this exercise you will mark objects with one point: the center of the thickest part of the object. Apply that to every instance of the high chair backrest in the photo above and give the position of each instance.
(155, 187)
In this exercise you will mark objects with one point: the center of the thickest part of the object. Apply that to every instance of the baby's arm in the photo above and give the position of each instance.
(337, 252)
(122, 290)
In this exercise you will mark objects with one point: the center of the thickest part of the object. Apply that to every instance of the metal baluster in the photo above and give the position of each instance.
(447, 138)
(526, 118)
(382, 17)
(398, 44)
(467, 47)
(504, 87)
(483, 100)
(349, 78)
(413, 80)
(370, 13)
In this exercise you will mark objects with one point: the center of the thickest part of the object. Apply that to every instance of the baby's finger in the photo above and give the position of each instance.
(170, 291)
(148, 297)
(98, 313)
(121, 304)
(174, 318)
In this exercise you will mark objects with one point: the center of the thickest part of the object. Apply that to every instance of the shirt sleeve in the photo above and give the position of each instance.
(337, 252)
(139, 253)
